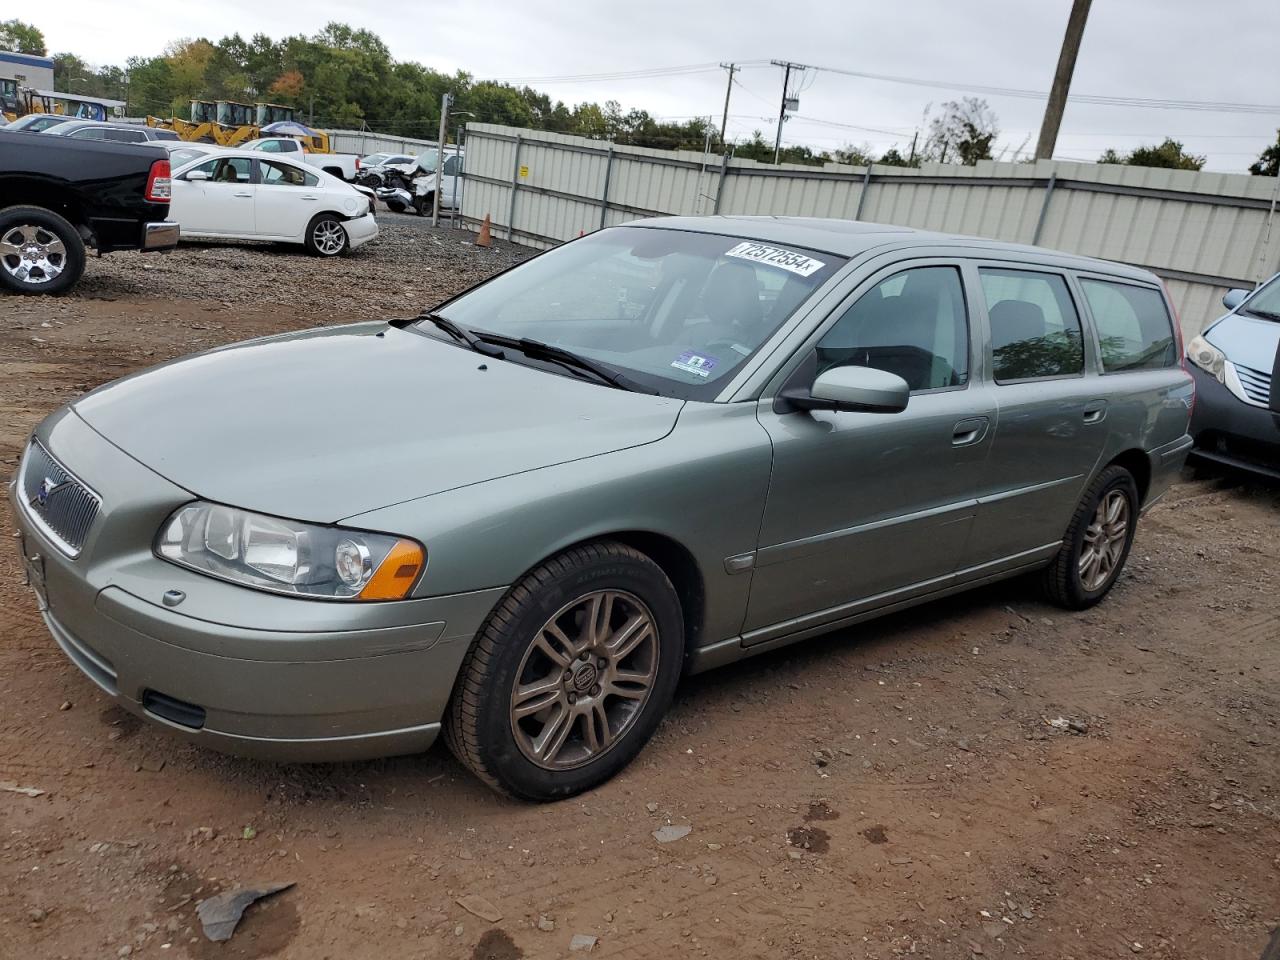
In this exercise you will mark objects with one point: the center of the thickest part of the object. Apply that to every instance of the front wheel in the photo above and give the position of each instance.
(326, 236)
(570, 675)
(40, 252)
(1097, 542)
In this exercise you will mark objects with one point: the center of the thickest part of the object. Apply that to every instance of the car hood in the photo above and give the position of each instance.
(331, 423)
(1247, 340)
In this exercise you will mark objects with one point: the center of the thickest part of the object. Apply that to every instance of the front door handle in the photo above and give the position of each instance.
(969, 431)
(309, 197)
(242, 194)
(1095, 411)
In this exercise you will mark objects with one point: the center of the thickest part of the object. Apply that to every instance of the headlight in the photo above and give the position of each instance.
(1208, 358)
(286, 556)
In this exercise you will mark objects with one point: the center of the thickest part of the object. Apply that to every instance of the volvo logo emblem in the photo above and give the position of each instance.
(46, 490)
(584, 678)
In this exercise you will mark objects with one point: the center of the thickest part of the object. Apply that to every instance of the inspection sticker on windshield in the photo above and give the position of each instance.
(777, 257)
(694, 363)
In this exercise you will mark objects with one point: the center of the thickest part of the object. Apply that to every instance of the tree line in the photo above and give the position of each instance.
(345, 77)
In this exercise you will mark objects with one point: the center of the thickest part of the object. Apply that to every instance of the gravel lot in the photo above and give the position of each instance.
(898, 789)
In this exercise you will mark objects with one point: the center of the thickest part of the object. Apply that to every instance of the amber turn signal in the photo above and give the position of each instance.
(397, 574)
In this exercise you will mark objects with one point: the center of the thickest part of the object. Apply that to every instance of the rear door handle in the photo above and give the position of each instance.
(242, 194)
(969, 431)
(1095, 411)
(309, 197)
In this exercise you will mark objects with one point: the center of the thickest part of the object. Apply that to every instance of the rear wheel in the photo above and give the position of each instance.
(571, 674)
(1097, 542)
(326, 236)
(40, 252)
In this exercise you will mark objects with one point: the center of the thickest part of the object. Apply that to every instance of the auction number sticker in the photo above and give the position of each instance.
(797, 263)
(696, 364)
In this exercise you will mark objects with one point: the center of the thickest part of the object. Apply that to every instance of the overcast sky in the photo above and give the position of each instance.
(1227, 51)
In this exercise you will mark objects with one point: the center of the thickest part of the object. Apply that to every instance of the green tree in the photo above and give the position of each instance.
(853, 155)
(1268, 164)
(963, 133)
(1169, 155)
(19, 37)
(894, 158)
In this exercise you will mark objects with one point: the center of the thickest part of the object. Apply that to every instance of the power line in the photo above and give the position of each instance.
(1217, 106)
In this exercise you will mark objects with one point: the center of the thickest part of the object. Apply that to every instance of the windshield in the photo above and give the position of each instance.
(1266, 302)
(676, 312)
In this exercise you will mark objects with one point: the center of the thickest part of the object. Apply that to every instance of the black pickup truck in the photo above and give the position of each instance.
(59, 196)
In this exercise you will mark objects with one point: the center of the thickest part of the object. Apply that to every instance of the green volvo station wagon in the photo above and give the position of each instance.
(520, 518)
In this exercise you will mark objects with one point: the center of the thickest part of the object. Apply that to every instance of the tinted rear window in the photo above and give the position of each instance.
(1133, 324)
(1035, 331)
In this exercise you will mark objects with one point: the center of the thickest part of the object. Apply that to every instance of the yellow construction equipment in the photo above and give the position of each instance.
(229, 124)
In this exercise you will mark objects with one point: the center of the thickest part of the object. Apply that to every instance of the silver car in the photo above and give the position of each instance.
(1236, 364)
(520, 518)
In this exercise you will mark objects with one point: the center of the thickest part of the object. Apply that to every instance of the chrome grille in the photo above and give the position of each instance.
(59, 503)
(1257, 385)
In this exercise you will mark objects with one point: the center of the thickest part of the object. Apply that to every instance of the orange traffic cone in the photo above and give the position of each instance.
(484, 238)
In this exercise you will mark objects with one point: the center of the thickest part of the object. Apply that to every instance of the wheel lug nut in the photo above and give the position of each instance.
(595, 691)
(568, 675)
(573, 698)
(602, 663)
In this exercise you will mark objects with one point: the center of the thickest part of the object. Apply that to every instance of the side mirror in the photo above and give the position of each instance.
(1233, 298)
(852, 388)
(197, 175)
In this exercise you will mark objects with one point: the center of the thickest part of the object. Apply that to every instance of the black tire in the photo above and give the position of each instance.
(1061, 580)
(47, 223)
(395, 206)
(478, 724)
(423, 205)
(322, 225)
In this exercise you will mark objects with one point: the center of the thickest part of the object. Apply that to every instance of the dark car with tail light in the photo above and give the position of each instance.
(60, 197)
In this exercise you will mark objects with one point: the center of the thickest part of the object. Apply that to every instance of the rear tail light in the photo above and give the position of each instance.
(357, 163)
(159, 186)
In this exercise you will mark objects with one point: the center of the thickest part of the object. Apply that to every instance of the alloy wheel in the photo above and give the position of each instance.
(1104, 541)
(584, 679)
(329, 237)
(32, 254)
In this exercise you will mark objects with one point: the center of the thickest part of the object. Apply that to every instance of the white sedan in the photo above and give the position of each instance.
(242, 195)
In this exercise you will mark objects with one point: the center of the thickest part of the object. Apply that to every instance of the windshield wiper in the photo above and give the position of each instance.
(1264, 314)
(462, 335)
(538, 350)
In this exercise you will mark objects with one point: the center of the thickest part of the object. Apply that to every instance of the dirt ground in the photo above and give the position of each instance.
(893, 790)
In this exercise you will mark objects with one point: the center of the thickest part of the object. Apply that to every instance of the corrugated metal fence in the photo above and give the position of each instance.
(1202, 232)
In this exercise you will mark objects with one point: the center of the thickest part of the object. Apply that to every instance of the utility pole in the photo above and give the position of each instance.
(444, 136)
(1062, 80)
(724, 122)
(788, 103)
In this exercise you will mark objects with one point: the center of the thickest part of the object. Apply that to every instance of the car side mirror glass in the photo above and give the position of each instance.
(197, 175)
(1233, 298)
(853, 388)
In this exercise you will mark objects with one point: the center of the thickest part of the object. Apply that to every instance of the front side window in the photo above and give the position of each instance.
(88, 133)
(450, 167)
(913, 324)
(678, 312)
(1134, 329)
(1035, 330)
(225, 169)
(270, 146)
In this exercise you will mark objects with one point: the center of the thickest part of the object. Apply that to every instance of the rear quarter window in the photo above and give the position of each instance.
(1133, 325)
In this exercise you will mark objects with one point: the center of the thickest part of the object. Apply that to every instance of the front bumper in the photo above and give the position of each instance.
(1228, 431)
(360, 230)
(231, 668)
